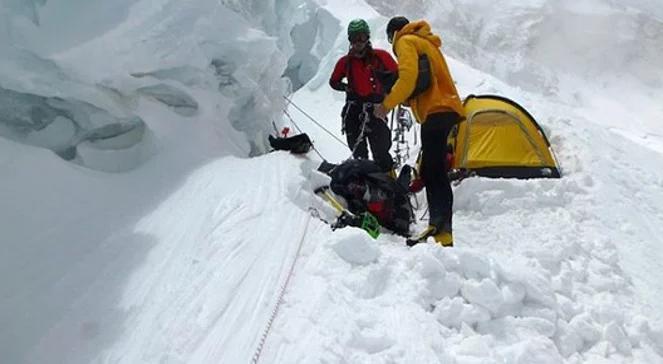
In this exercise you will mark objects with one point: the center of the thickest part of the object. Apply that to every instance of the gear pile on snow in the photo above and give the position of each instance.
(497, 139)
(366, 188)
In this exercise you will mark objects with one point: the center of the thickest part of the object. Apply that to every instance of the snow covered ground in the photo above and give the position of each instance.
(177, 248)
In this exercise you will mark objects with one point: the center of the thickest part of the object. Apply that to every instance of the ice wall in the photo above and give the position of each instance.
(42, 106)
(219, 66)
(312, 40)
(48, 26)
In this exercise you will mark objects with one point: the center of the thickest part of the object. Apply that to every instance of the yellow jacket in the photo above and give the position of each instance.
(414, 39)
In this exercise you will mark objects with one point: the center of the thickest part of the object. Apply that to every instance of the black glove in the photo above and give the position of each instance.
(346, 219)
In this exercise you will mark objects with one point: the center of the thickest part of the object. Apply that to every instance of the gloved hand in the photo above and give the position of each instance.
(346, 219)
(416, 185)
(380, 112)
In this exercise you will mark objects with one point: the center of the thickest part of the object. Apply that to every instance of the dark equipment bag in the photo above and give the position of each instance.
(366, 188)
(298, 144)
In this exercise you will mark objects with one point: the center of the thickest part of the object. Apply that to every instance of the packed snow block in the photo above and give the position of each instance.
(178, 100)
(449, 259)
(449, 286)
(454, 312)
(524, 327)
(539, 289)
(475, 266)
(448, 310)
(614, 334)
(586, 328)
(475, 348)
(567, 340)
(370, 341)
(474, 314)
(535, 350)
(513, 293)
(376, 283)
(637, 330)
(598, 352)
(357, 248)
(430, 267)
(567, 308)
(484, 293)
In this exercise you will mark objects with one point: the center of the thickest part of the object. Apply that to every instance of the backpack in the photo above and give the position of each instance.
(298, 144)
(366, 188)
(423, 78)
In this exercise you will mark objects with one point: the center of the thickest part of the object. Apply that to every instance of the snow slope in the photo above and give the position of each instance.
(187, 256)
(543, 271)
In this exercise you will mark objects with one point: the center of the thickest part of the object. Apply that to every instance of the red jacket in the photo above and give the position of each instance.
(363, 74)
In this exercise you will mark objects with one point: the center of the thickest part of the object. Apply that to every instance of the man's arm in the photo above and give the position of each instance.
(335, 81)
(408, 63)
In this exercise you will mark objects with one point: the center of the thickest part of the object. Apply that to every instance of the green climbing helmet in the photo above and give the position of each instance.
(358, 26)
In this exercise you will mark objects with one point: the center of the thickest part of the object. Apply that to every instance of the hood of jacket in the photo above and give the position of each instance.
(420, 28)
(412, 41)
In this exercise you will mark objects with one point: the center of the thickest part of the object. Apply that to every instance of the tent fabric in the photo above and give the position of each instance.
(499, 138)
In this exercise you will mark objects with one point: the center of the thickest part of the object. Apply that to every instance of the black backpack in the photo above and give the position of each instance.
(364, 185)
(298, 144)
(423, 78)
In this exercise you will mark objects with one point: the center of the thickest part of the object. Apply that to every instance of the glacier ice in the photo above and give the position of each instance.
(185, 74)
(176, 99)
(226, 57)
(62, 124)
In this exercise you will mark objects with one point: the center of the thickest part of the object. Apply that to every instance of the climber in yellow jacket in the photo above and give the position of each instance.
(437, 108)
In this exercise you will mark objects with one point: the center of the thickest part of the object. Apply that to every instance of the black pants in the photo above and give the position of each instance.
(434, 134)
(376, 132)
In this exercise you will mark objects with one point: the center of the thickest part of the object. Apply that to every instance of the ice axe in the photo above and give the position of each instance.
(365, 221)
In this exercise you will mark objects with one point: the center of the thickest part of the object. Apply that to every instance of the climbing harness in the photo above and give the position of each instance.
(403, 124)
(365, 128)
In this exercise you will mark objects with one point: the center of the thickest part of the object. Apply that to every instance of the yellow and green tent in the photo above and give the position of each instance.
(499, 138)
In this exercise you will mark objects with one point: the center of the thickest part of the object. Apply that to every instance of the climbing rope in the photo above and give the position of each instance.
(313, 120)
(275, 310)
(300, 131)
